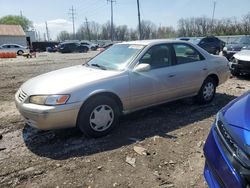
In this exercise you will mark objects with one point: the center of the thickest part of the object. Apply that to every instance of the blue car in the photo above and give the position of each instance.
(227, 148)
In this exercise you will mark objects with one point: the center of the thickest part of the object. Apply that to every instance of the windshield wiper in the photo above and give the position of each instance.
(99, 66)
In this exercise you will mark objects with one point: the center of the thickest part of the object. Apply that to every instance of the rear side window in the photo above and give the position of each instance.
(186, 54)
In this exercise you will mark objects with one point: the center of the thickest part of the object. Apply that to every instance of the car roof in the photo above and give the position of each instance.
(11, 44)
(153, 42)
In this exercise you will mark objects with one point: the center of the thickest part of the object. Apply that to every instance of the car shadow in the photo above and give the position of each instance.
(155, 121)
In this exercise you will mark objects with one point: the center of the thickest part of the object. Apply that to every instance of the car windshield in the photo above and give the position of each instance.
(195, 40)
(116, 57)
(242, 40)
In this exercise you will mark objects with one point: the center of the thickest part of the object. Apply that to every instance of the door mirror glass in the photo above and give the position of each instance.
(142, 67)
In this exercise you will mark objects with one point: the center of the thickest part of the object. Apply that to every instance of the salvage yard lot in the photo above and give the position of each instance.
(173, 135)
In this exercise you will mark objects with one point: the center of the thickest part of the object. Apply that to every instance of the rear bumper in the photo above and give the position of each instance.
(218, 170)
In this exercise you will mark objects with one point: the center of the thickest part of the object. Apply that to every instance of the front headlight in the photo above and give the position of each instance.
(225, 49)
(235, 61)
(49, 99)
(244, 159)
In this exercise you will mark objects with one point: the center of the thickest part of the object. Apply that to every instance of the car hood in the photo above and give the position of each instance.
(63, 81)
(243, 55)
(237, 117)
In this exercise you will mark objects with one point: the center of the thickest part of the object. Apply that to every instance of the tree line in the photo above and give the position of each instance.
(186, 27)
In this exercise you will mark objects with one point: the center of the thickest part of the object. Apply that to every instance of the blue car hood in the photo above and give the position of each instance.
(237, 117)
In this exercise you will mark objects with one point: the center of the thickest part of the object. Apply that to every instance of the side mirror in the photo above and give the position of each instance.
(142, 67)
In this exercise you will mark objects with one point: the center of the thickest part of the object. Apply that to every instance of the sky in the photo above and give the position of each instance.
(161, 12)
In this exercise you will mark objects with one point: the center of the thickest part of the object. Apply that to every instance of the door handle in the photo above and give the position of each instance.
(204, 69)
(171, 75)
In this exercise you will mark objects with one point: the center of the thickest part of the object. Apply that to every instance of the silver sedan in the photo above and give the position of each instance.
(126, 77)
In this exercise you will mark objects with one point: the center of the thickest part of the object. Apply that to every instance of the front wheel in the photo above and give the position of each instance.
(20, 52)
(207, 91)
(98, 116)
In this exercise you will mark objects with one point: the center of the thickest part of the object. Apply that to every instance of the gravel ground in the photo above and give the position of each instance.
(172, 135)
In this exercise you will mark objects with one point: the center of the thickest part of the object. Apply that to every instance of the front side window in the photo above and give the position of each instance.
(186, 54)
(158, 56)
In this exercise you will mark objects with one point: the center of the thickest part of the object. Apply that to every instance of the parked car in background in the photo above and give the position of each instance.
(14, 48)
(240, 62)
(90, 45)
(104, 47)
(227, 147)
(69, 47)
(124, 78)
(236, 46)
(211, 44)
(184, 38)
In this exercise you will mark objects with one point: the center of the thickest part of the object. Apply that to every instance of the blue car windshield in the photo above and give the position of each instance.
(116, 57)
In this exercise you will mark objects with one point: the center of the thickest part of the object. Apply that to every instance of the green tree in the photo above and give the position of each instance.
(17, 20)
(63, 35)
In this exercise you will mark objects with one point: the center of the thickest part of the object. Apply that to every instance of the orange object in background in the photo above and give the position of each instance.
(8, 55)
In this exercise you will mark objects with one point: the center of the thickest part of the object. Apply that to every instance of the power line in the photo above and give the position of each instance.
(213, 13)
(139, 19)
(87, 25)
(47, 31)
(112, 24)
(73, 17)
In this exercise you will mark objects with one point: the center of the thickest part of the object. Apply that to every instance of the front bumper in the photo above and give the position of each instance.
(241, 67)
(219, 170)
(48, 117)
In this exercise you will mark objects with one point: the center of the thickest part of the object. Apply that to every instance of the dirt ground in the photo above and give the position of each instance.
(173, 135)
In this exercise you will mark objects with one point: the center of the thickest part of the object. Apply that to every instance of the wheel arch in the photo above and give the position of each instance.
(215, 77)
(107, 94)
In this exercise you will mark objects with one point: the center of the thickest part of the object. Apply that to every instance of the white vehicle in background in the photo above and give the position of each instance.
(14, 48)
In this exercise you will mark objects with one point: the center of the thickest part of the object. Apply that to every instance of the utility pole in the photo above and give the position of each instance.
(47, 31)
(87, 25)
(139, 19)
(73, 17)
(21, 13)
(213, 15)
(112, 24)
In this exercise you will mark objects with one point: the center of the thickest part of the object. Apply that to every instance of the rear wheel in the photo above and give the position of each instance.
(98, 116)
(207, 91)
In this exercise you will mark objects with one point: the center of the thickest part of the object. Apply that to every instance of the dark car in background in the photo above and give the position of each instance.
(70, 47)
(211, 44)
(227, 150)
(236, 46)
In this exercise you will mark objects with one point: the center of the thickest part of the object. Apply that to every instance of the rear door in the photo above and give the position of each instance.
(190, 69)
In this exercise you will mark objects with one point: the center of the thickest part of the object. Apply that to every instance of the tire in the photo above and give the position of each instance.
(207, 91)
(98, 116)
(20, 52)
(85, 50)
